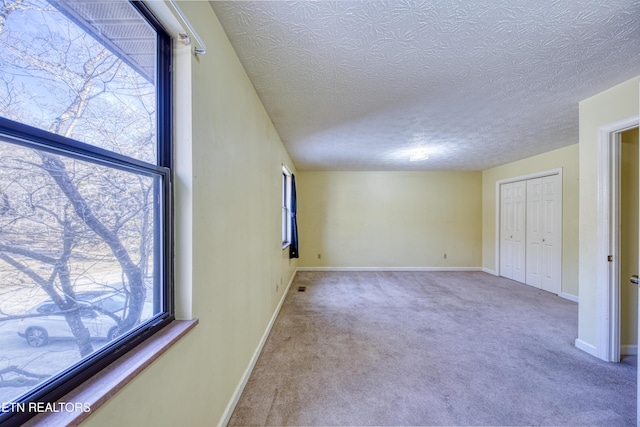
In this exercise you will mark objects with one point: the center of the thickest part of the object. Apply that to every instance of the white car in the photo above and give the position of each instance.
(52, 324)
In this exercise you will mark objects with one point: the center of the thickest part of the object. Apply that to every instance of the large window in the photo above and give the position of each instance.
(85, 193)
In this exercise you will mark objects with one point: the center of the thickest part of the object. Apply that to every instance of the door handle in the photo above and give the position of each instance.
(634, 279)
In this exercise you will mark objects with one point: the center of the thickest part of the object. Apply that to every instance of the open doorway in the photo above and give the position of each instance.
(611, 282)
(629, 221)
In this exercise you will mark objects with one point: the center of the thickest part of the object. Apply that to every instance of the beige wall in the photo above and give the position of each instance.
(629, 191)
(565, 158)
(617, 103)
(233, 257)
(389, 219)
(234, 186)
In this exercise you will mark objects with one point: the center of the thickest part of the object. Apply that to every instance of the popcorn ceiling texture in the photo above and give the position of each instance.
(355, 85)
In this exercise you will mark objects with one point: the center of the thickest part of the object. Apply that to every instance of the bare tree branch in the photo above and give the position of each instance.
(70, 214)
(28, 253)
(56, 168)
(22, 372)
(24, 378)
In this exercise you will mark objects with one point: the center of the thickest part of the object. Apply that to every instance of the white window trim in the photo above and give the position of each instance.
(286, 207)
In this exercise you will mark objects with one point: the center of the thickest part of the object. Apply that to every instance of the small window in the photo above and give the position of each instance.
(85, 192)
(286, 207)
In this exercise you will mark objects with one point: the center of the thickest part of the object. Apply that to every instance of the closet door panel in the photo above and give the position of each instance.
(519, 231)
(551, 239)
(535, 226)
(506, 230)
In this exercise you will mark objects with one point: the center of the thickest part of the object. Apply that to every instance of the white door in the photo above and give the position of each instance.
(506, 230)
(519, 231)
(551, 240)
(543, 234)
(513, 230)
(535, 218)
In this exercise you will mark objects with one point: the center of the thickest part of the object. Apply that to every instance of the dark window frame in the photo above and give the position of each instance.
(61, 384)
(286, 207)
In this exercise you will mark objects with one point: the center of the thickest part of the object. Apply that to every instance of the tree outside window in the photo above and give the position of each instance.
(84, 179)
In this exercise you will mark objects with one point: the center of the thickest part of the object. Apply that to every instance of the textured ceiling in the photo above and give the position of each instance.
(356, 85)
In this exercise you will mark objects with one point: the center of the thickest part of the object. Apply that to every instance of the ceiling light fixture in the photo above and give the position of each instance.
(418, 154)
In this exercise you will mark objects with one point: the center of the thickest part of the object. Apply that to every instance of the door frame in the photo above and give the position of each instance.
(541, 174)
(608, 277)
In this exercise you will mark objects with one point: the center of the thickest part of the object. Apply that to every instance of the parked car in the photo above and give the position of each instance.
(53, 324)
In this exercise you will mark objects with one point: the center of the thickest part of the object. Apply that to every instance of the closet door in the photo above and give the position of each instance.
(506, 230)
(543, 234)
(519, 230)
(535, 219)
(551, 238)
(513, 230)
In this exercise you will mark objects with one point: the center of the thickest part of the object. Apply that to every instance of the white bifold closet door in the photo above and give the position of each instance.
(543, 251)
(513, 230)
(530, 232)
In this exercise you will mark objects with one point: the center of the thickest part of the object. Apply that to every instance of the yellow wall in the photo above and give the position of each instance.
(362, 219)
(629, 238)
(234, 185)
(389, 219)
(617, 103)
(565, 158)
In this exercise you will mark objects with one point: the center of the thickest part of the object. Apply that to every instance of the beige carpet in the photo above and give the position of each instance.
(430, 348)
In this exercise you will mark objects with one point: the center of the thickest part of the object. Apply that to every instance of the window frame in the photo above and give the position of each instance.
(286, 207)
(58, 385)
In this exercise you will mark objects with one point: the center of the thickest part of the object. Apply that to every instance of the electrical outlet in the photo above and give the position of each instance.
(445, 256)
(319, 256)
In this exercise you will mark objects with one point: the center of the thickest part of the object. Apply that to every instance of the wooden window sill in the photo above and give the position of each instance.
(102, 386)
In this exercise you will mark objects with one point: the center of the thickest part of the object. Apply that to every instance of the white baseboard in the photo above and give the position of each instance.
(231, 406)
(629, 350)
(489, 271)
(389, 269)
(625, 350)
(587, 348)
(568, 296)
